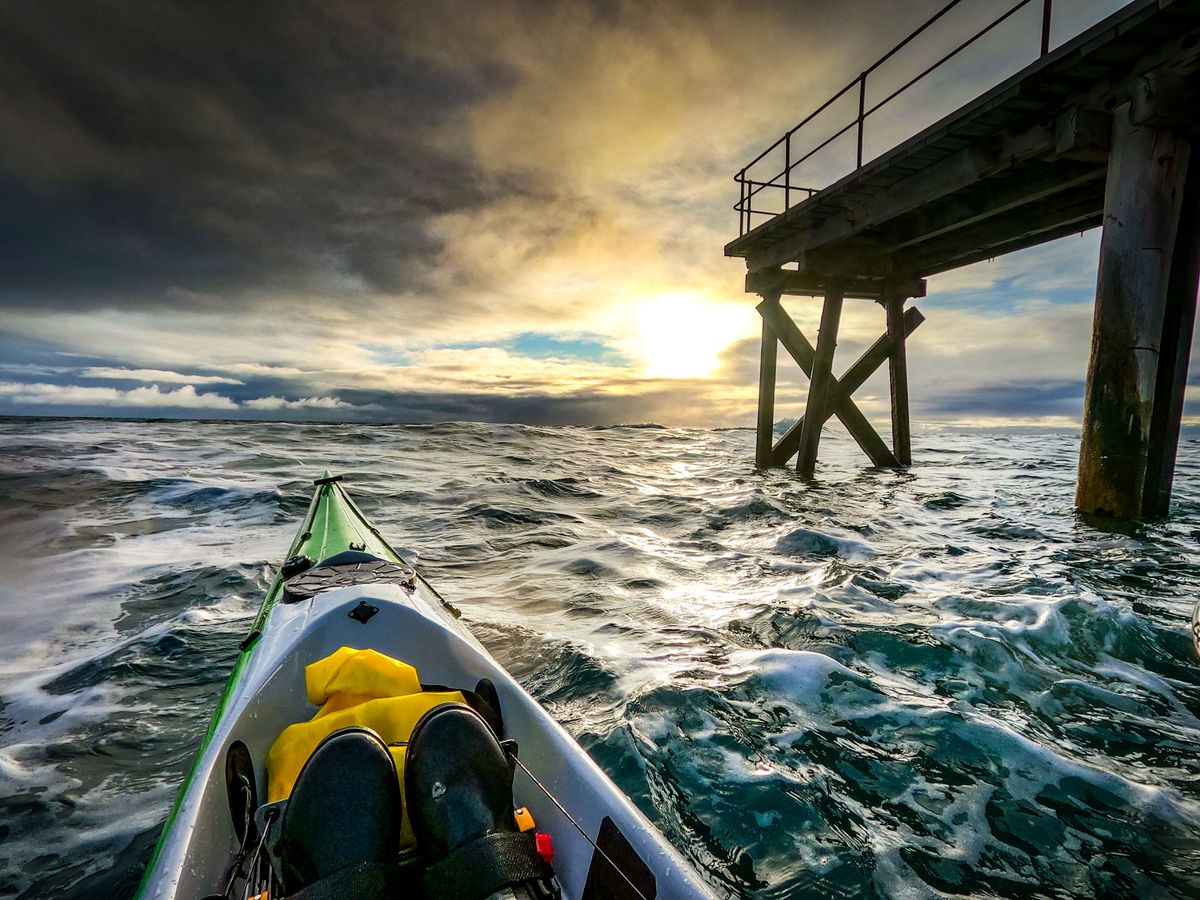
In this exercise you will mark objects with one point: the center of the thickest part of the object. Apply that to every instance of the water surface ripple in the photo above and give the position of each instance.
(939, 682)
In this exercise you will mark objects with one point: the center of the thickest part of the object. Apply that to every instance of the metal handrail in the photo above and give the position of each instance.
(783, 180)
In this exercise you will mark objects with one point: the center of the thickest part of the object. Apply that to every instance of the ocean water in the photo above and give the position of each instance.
(877, 684)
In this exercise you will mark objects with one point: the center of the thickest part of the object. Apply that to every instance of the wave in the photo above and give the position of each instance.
(864, 684)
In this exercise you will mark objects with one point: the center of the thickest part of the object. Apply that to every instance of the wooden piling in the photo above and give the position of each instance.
(1175, 350)
(766, 383)
(1141, 334)
(898, 378)
(818, 389)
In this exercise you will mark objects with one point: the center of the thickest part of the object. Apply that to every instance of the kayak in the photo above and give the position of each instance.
(345, 594)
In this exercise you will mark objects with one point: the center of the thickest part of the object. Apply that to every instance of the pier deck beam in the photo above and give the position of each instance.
(1145, 310)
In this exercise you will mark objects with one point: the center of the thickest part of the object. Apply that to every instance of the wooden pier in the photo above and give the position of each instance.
(1100, 131)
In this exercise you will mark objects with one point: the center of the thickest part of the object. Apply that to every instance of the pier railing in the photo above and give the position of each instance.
(761, 194)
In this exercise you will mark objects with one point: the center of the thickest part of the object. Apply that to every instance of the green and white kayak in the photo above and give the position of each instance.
(344, 586)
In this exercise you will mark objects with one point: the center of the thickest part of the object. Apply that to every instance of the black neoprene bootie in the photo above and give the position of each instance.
(458, 793)
(339, 835)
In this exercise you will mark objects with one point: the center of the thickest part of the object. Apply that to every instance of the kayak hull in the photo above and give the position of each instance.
(412, 623)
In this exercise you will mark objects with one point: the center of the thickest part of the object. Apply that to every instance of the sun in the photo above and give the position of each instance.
(683, 335)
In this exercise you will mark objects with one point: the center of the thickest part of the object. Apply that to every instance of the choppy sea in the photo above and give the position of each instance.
(938, 682)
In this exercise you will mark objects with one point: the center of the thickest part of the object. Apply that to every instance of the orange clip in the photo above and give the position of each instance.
(524, 818)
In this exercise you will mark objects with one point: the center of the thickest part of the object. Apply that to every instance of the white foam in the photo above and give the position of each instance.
(1030, 616)
(795, 673)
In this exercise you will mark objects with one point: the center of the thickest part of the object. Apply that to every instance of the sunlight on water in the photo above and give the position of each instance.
(878, 684)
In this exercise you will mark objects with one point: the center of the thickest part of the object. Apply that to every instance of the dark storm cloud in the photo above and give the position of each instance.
(153, 152)
(214, 154)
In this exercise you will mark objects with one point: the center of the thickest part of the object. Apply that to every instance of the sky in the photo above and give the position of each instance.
(503, 211)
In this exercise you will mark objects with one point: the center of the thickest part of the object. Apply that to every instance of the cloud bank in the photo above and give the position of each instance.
(153, 397)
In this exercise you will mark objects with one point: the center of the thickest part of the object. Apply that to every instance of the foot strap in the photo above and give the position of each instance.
(483, 866)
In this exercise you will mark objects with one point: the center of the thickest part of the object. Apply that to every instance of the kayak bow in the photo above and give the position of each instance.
(344, 586)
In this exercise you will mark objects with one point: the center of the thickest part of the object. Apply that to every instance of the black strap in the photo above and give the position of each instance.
(366, 879)
(483, 866)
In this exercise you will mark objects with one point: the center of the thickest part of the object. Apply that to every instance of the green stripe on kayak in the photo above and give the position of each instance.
(333, 523)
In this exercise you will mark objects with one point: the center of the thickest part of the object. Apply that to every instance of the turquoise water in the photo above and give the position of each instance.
(878, 684)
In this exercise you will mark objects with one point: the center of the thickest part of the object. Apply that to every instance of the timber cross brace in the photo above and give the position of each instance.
(828, 395)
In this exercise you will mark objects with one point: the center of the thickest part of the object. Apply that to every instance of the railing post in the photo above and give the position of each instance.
(1046, 5)
(742, 204)
(862, 105)
(787, 172)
